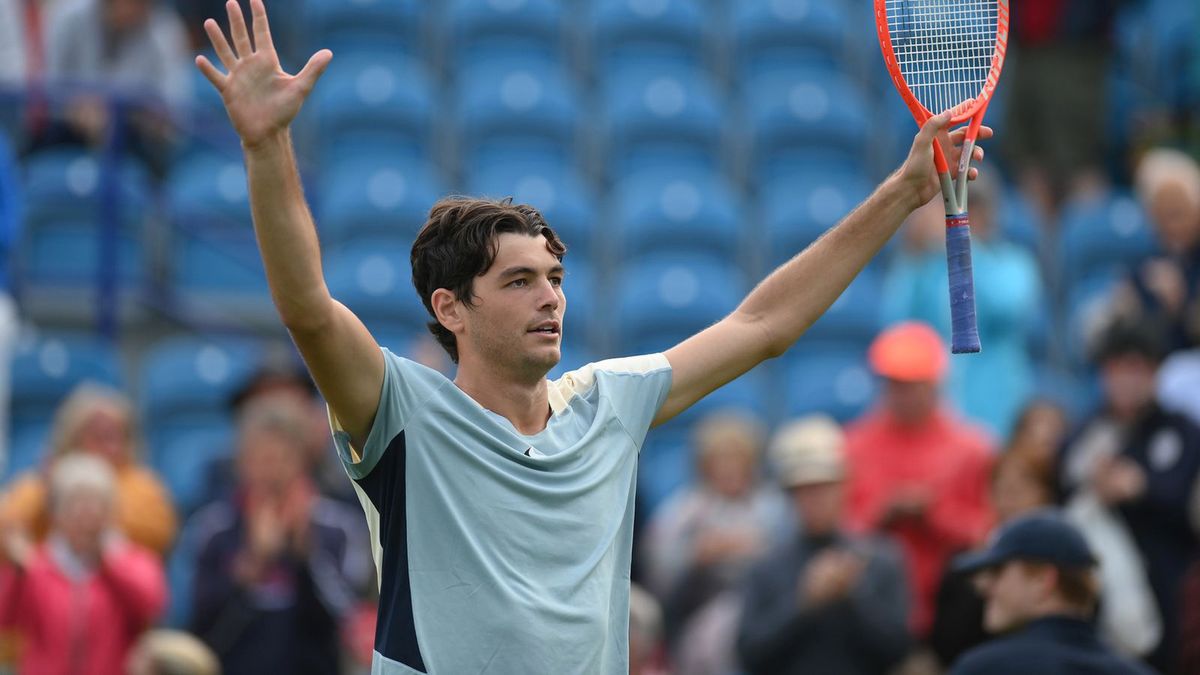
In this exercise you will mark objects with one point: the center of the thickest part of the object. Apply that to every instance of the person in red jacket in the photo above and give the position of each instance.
(917, 471)
(81, 598)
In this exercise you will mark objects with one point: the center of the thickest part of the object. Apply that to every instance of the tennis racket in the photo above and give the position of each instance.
(946, 55)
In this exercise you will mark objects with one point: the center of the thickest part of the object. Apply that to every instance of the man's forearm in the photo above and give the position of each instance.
(287, 237)
(796, 294)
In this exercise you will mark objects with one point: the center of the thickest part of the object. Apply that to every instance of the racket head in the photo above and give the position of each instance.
(944, 54)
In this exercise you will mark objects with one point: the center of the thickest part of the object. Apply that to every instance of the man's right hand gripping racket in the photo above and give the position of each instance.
(946, 55)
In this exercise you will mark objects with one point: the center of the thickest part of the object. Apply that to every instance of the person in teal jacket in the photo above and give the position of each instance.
(992, 386)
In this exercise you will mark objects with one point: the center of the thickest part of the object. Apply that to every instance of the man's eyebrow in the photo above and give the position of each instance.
(521, 269)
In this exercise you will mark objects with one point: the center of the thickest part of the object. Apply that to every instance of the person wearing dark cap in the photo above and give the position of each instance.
(1040, 583)
(824, 600)
(1143, 464)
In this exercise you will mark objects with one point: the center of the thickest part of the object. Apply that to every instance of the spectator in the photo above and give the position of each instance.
(917, 472)
(277, 565)
(1189, 631)
(282, 375)
(1142, 463)
(22, 53)
(703, 539)
(645, 633)
(10, 223)
(989, 387)
(1020, 484)
(80, 599)
(171, 652)
(823, 601)
(1166, 288)
(1039, 580)
(1038, 433)
(137, 46)
(98, 421)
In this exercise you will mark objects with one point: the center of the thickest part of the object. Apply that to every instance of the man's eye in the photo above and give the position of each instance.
(556, 281)
(519, 283)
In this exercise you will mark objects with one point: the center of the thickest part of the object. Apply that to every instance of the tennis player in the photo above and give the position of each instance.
(501, 503)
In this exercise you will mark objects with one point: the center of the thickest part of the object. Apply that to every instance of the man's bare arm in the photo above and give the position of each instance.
(261, 101)
(778, 311)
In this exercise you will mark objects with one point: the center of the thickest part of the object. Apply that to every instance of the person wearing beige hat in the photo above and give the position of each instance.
(825, 600)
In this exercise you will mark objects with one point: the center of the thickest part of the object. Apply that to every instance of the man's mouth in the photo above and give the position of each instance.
(546, 328)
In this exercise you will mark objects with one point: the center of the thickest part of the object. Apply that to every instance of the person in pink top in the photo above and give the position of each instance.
(917, 471)
(81, 598)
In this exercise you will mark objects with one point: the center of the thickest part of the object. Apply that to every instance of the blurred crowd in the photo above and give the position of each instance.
(800, 544)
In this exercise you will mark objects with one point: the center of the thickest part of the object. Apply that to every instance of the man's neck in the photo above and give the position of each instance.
(523, 402)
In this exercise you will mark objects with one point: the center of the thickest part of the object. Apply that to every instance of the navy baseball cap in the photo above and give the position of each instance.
(1042, 536)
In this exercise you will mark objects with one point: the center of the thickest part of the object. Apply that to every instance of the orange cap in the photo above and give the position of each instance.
(909, 351)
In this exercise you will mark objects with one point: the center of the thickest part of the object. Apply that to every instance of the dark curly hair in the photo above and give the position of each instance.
(459, 242)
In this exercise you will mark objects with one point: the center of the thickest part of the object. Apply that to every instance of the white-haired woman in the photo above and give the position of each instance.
(98, 421)
(81, 598)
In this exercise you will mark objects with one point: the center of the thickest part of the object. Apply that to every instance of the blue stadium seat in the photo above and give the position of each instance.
(554, 188)
(628, 34)
(215, 267)
(378, 26)
(515, 109)
(659, 115)
(1104, 236)
(799, 207)
(831, 381)
(69, 254)
(27, 447)
(666, 297)
(208, 190)
(854, 318)
(68, 184)
(184, 460)
(665, 465)
(187, 383)
(482, 30)
(582, 318)
(806, 118)
(375, 195)
(373, 104)
(781, 35)
(61, 244)
(372, 277)
(1018, 221)
(677, 210)
(47, 367)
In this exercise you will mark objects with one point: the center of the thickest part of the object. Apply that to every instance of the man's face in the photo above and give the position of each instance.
(268, 462)
(820, 506)
(1176, 217)
(1011, 591)
(911, 402)
(1129, 383)
(516, 320)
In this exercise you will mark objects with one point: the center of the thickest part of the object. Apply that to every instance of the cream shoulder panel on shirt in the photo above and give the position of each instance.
(579, 382)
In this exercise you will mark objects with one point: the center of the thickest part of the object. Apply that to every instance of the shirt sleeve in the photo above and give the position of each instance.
(407, 386)
(637, 387)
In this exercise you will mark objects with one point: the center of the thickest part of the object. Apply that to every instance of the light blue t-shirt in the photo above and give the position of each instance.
(499, 552)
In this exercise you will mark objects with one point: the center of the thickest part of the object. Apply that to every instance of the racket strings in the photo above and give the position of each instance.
(944, 48)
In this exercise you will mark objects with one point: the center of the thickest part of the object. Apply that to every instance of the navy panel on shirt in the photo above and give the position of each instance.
(395, 632)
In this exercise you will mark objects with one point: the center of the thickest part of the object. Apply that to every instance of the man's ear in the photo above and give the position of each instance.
(448, 310)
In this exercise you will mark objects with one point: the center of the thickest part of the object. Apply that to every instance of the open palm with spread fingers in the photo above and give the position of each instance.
(260, 98)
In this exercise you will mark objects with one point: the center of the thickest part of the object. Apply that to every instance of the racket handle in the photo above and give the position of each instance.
(965, 332)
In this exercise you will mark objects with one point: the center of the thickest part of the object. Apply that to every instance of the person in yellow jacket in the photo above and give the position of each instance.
(100, 421)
